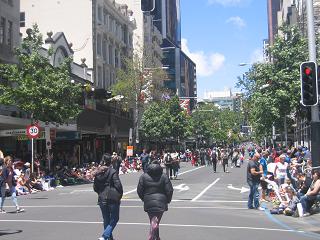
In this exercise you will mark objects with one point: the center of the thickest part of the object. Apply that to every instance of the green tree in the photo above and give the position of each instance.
(164, 120)
(213, 124)
(36, 87)
(272, 90)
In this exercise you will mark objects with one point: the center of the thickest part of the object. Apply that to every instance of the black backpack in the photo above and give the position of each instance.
(168, 159)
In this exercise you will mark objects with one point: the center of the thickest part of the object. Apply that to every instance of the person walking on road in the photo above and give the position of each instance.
(155, 190)
(254, 171)
(8, 185)
(225, 158)
(214, 159)
(108, 186)
(144, 157)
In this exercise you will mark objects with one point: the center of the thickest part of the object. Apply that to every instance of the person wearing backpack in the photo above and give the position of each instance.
(168, 161)
(108, 186)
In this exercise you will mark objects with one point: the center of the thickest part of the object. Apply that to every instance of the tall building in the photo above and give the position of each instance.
(101, 31)
(9, 29)
(181, 70)
(147, 39)
(273, 8)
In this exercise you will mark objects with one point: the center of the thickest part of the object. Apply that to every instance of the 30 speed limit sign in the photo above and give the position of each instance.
(33, 131)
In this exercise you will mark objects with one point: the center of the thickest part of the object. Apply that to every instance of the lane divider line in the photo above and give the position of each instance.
(162, 224)
(204, 190)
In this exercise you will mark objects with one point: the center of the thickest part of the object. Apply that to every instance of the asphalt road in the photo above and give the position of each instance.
(205, 205)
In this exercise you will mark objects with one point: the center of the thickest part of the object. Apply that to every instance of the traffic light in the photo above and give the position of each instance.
(309, 84)
(147, 5)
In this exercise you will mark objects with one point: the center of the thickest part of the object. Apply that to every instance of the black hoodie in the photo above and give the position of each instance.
(155, 189)
(106, 176)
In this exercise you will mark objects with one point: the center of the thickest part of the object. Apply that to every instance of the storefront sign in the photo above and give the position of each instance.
(72, 135)
(13, 132)
(25, 137)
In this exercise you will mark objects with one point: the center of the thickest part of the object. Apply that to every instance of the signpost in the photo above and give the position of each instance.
(129, 151)
(32, 132)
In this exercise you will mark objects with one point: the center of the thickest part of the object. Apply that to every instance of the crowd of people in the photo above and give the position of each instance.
(287, 180)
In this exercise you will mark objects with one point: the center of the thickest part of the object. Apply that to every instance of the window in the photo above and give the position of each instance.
(2, 30)
(110, 55)
(99, 13)
(105, 18)
(9, 34)
(99, 44)
(99, 84)
(104, 49)
(117, 63)
(22, 19)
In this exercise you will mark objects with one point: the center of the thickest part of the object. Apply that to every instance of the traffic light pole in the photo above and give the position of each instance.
(315, 124)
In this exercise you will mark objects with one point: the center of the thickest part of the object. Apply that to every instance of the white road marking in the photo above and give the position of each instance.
(181, 187)
(135, 206)
(191, 170)
(131, 191)
(162, 225)
(204, 190)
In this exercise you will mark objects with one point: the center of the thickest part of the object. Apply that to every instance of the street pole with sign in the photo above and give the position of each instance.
(32, 132)
(315, 124)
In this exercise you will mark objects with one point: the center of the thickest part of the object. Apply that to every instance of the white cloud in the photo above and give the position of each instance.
(228, 3)
(257, 56)
(237, 21)
(207, 64)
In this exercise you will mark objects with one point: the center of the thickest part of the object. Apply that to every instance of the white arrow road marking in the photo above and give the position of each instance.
(182, 187)
(242, 190)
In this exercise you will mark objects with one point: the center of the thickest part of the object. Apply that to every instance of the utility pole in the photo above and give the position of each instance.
(315, 124)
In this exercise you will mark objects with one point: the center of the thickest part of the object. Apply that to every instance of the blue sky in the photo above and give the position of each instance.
(218, 35)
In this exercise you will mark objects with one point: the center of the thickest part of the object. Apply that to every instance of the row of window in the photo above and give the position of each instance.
(105, 76)
(6, 32)
(9, 2)
(108, 52)
(111, 24)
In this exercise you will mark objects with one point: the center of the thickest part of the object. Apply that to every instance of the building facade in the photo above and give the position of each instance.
(273, 8)
(147, 39)
(9, 29)
(224, 99)
(101, 31)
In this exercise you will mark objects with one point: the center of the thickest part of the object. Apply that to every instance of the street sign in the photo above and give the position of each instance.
(33, 131)
(129, 151)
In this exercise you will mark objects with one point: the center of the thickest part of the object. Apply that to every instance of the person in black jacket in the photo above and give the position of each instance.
(155, 190)
(108, 186)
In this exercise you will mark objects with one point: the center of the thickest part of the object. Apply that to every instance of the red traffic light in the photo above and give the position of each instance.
(307, 71)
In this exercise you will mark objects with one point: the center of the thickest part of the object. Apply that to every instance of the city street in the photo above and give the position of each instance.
(205, 206)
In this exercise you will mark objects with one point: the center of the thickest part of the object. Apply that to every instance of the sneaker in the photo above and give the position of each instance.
(260, 208)
(19, 210)
(101, 238)
(306, 214)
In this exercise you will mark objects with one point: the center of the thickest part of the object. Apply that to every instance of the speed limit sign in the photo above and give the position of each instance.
(33, 131)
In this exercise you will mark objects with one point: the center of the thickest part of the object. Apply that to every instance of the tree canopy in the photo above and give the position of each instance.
(272, 90)
(36, 87)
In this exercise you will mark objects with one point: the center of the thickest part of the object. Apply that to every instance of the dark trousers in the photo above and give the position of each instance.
(214, 165)
(144, 166)
(110, 214)
(307, 202)
(169, 170)
(155, 219)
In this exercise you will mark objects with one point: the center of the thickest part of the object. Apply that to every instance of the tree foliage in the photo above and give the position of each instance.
(272, 90)
(36, 87)
(164, 120)
(216, 125)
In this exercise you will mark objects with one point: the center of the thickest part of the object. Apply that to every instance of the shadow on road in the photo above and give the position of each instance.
(9, 232)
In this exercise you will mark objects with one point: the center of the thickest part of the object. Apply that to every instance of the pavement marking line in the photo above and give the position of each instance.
(162, 224)
(134, 206)
(204, 190)
(191, 170)
(131, 191)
